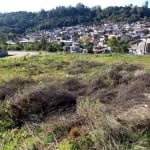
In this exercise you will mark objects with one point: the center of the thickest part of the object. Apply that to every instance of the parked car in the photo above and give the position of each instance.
(3, 53)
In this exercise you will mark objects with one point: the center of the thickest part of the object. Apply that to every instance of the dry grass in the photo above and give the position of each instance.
(38, 101)
(75, 86)
(119, 88)
(108, 110)
(10, 87)
(83, 66)
(136, 117)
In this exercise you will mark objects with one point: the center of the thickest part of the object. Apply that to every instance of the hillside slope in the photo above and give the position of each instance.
(21, 22)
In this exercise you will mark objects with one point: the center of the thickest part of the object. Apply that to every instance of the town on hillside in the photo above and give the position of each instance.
(132, 37)
(94, 38)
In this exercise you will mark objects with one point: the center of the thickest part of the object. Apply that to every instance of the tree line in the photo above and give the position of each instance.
(21, 22)
(42, 45)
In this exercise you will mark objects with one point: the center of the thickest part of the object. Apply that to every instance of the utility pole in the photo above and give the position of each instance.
(145, 46)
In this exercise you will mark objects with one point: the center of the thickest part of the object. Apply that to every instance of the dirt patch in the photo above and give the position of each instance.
(14, 54)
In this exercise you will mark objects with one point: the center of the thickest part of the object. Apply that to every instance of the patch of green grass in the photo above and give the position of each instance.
(16, 139)
(55, 64)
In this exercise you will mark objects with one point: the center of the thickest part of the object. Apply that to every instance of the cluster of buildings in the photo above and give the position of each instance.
(72, 37)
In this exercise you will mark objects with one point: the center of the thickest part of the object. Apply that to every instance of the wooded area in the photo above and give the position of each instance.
(21, 22)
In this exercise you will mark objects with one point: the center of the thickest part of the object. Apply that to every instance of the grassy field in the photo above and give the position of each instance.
(54, 64)
(75, 102)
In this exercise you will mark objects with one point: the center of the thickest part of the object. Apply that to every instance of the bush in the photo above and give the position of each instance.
(9, 88)
(36, 102)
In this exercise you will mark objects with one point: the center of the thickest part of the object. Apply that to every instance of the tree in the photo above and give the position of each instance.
(21, 22)
(86, 43)
(85, 39)
(116, 46)
(54, 47)
(80, 6)
(112, 42)
(2, 39)
(126, 38)
(43, 44)
(123, 47)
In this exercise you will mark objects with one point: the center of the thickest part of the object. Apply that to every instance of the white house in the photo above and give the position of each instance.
(75, 48)
(140, 47)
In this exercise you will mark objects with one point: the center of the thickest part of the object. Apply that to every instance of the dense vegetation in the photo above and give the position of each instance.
(36, 46)
(21, 22)
(75, 102)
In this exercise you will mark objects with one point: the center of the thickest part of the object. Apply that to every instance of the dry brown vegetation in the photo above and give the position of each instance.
(35, 102)
(9, 88)
(82, 66)
(100, 112)
(118, 89)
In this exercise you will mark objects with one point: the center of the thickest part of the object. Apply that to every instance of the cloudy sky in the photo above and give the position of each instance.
(37, 5)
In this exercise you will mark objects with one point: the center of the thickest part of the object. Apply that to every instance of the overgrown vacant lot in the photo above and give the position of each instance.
(75, 102)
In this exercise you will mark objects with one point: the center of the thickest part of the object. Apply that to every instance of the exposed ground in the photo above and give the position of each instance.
(14, 54)
(75, 102)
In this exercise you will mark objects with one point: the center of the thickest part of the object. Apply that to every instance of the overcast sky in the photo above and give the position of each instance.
(37, 5)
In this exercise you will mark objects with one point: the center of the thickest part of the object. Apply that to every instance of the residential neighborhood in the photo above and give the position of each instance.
(136, 34)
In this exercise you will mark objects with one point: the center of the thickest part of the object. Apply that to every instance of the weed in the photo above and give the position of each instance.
(75, 132)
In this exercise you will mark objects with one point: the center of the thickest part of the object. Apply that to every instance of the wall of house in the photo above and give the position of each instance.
(148, 48)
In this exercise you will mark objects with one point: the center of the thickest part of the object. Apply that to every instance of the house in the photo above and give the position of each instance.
(75, 48)
(98, 50)
(140, 47)
(10, 42)
(3, 53)
(24, 41)
(67, 43)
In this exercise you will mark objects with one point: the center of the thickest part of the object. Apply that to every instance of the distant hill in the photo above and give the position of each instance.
(21, 22)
